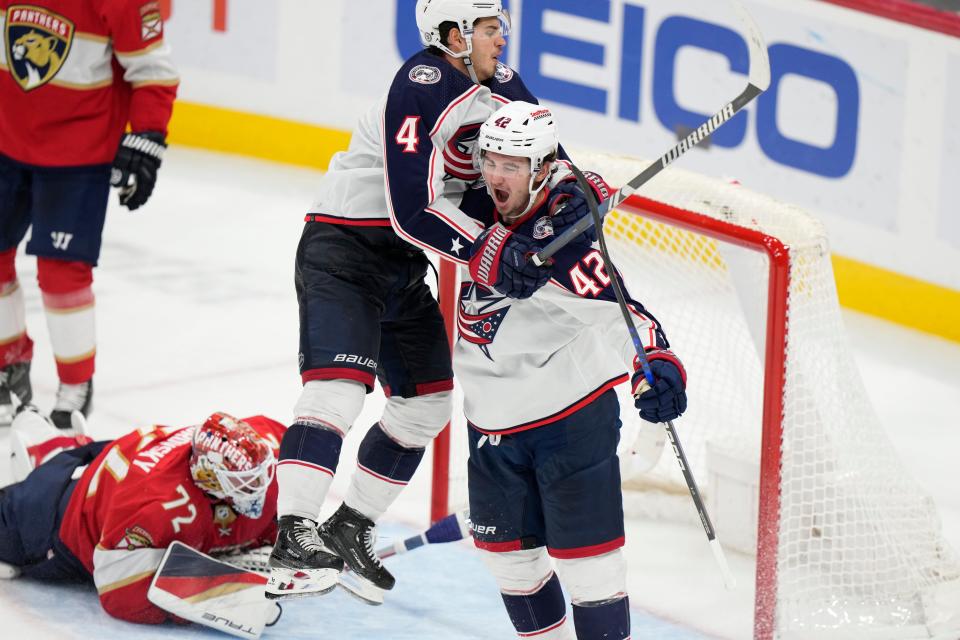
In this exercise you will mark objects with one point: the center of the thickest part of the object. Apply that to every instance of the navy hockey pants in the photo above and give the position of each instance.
(67, 207)
(30, 516)
(556, 486)
(366, 311)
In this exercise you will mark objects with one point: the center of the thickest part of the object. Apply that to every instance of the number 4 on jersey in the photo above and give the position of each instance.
(407, 135)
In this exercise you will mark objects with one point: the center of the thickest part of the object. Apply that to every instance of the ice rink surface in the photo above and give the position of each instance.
(196, 313)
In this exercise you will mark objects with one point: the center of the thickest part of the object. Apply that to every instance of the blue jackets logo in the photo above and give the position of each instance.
(37, 42)
(423, 74)
(481, 313)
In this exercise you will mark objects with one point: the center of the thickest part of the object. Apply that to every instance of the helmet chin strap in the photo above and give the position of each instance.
(469, 63)
(463, 55)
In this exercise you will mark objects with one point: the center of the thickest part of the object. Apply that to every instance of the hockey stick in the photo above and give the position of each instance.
(758, 81)
(450, 528)
(718, 554)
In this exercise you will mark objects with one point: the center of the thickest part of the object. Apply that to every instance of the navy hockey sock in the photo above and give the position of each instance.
(609, 620)
(384, 467)
(539, 612)
(383, 456)
(308, 461)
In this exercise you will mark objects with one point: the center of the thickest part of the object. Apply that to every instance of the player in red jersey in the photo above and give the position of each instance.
(107, 511)
(73, 76)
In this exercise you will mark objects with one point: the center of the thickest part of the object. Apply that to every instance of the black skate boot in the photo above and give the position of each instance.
(70, 398)
(14, 382)
(300, 564)
(352, 535)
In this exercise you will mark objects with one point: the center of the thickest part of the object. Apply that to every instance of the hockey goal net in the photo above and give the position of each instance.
(847, 545)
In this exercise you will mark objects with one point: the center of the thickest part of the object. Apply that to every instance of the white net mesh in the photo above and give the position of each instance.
(859, 551)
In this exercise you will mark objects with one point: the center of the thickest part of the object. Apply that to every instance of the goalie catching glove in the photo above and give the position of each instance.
(568, 203)
(666, 399)
(498, 260)
(135, 167)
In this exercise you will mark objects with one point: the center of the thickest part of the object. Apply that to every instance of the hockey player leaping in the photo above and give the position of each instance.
(538, 377)
(365, 310)
(106, 511)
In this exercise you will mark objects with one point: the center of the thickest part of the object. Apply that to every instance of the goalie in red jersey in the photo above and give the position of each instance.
(107, 511)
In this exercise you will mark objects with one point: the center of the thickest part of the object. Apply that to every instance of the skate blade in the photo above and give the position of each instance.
(363, 590)
(287, 584)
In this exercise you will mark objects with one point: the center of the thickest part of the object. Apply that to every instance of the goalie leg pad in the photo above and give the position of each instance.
(201, 589)
(384, 468)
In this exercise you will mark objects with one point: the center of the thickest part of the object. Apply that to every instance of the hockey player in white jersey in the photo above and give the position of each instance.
(365, 310)
(538, 377)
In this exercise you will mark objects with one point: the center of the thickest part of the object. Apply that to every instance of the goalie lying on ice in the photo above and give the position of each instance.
(107, 511)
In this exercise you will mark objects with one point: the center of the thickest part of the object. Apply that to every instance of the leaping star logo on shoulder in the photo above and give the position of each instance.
(481, 313)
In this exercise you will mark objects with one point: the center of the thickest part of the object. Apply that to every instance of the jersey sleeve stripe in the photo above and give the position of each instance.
(448, 221)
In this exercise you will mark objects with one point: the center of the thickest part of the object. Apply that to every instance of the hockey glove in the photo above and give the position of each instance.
(568, 204)
(667, 398)
(135, 166)
(498, 260)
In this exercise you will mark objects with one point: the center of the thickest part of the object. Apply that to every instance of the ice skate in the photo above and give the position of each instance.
(70, 398)
(300, 564)
(14, 387)
(352, 536)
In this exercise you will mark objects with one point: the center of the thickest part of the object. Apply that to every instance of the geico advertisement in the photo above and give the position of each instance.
(837, 132)
(827, 134)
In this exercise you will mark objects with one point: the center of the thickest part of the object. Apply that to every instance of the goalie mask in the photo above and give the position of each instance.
(463, 13)
(233, 463)
(520, 130)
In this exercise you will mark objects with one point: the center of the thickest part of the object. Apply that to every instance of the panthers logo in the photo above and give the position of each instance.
(37, 42)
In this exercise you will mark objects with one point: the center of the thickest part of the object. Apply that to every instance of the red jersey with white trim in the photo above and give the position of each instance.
(136, 498)
(410, 159)
(73, 73)
(526, 363)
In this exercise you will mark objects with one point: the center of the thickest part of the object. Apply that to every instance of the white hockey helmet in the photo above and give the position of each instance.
(432, 13)
(523, 130)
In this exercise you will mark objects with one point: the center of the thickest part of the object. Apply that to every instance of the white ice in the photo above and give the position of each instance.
(196, 312)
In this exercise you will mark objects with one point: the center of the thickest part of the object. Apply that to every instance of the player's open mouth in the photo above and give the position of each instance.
(501, 196)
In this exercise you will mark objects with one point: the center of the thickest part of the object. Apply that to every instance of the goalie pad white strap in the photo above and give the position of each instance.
(594, 579)
(201, 589)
